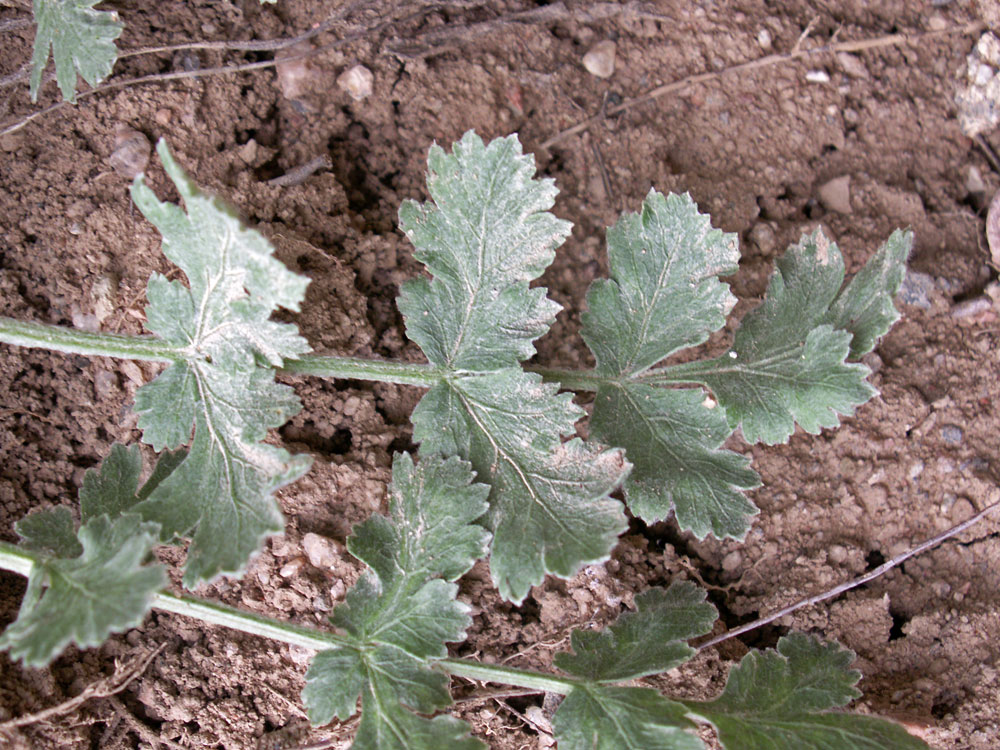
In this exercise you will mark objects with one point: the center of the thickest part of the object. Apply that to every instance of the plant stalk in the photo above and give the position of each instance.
(73, 341)
(384, 371)
(19, 560)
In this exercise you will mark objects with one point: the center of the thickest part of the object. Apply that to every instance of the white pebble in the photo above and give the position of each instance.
(764, 39)
(358, 81)
(322, 553)
(817, 76)
(600, 59)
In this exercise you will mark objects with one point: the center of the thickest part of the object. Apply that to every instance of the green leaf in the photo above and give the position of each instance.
(222, 387)
(788, 363)
(549, 510)
(650, 640)
(51, 532)
(112, 489)
(106, 589)
(610, 718)
(647, 641)
(402, 611)
(864, 307)
(485, 237)
(672, 438)
(664, 295)
(772, 699)
(82, 41)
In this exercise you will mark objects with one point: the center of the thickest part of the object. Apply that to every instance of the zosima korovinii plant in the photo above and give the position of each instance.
(497, 477)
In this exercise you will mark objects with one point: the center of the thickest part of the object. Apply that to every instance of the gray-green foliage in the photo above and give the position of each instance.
(222, 384)
(82, 41)
(93, 581)
(401, 613)
(487, 235)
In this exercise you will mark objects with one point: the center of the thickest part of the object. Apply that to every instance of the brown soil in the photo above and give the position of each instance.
(753, 146)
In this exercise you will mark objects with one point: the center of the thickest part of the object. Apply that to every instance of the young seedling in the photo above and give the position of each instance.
(498, 476)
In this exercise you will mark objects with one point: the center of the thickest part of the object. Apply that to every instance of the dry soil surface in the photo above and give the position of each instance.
(861, 141)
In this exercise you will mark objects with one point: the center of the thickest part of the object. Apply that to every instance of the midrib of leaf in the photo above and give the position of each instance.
(476, 289)
(647, 313)
(725, 365)
(499, 452)
(209, 289)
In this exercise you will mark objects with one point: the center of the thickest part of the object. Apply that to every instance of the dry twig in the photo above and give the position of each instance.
(105, 688)
(861, 580)
(892, 40)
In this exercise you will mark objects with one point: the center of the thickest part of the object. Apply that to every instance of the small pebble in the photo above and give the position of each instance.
(294, 75)
(732, 561)
(292, 567)
(131, 154)
(322, 552)
(836, 554)
(952, 434)
(961, 510)
(764, 39)
(835, 195)
(600, 59)
(762, 235)
(817, 76)
(358, 81)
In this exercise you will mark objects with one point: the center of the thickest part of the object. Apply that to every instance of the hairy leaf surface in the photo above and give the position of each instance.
(622, 718)
(773, 700)
(82, 599)
(664, 295)
(223, 385)
(487, 234)
(403, 610)
(788, 362)
(82, 41)
(647, 641)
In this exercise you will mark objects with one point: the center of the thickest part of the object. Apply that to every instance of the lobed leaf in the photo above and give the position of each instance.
(645, 642)
(772, 701)
(622, 718)
(82, 599)
(788, 362)
(82, 40)
(402, 611)
(549, 509)
(222, 386)
(484, 238)
(664, 295)
(487, 234)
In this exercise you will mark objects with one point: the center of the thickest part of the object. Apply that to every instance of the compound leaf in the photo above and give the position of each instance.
(773, 700)
(788, 362)
(222, 386)
(622, 718)
(664, 295)
(647, 641)
(487, 234)
(402, 611)
(82, 41)
(104, 589)
(484, 238)
(549, 510)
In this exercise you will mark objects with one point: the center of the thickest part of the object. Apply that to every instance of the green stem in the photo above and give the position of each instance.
(571, 380)
(15, 559)
(21, 561)
(525, 678)
(72, 341)
(385, 371)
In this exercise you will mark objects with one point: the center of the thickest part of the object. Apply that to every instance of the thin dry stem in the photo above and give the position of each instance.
(105, 688)
(775, 59)
(861, 580)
